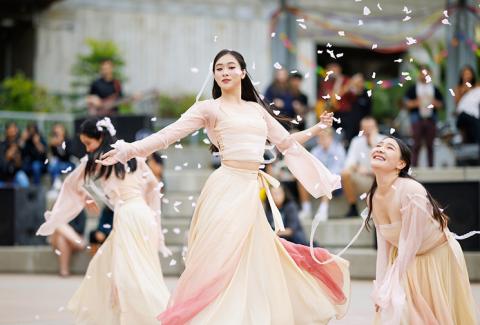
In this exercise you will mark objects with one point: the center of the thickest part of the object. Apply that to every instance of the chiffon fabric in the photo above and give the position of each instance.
(421, 275)
(237, 270)
(123, 283)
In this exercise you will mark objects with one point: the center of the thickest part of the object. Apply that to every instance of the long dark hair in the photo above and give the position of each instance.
(249, 93)
(89, 129)
(474, 77)
(405, 156)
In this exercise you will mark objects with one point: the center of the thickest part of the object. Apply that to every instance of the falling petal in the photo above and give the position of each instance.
(430, 106)
(199, 165)
(177, 168)
(469, 85)
(173, 262)
(451, 92)
(194, 70)
(273, 34)
(64, 145)
(106, 226)
(400, 84)
(411, 41)
(58, 252)
(374, 46)
(178, 146)
(329, 45)
(379, 82)
(374, 75)
(363, 196)
(445, 13)
(366, 11)
(398, 60)
(206, 141)
(277, 66)
(276, 112)
(176, 230)
(163, 156)
(153, 119)
(360, 133)
(319, 52)
(369, 93)
(379, 7)
(360, 22)
(45, 162)
(407, 18)
(406, 10)
(445, 21)
(341, 33)
(339, 55)
(339, 130)
(392, 130)
(307, 75)
(303, 26)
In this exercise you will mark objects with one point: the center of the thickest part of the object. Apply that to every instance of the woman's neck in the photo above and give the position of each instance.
(233, 96)
(385, 181)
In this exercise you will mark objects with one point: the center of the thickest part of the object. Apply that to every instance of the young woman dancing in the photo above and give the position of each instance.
(124, 282)
(421, 274)
(237, 270)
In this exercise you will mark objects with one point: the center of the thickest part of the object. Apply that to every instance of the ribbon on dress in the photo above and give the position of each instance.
(267, 180)
(315, 224)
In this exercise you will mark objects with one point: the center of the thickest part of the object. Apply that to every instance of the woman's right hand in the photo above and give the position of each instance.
(92, 207)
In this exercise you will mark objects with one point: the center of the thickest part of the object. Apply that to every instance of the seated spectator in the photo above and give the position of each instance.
(34, 153)
(104, 228)
(61, 155)
(68, 239)
(11, 172)
(332, 154)
(467, 98)
(288, 209)
(357, 176)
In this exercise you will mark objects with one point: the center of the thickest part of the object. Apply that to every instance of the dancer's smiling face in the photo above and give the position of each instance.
(387, 156)
(228, 73)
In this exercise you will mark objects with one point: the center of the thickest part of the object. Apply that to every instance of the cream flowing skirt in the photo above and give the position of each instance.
(238, 272)
(437, 288)
(124, 282)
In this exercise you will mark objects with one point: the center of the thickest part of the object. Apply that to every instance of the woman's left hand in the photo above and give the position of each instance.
(326, 120)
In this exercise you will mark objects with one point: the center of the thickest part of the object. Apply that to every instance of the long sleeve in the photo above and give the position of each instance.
(196, 117)
(70, 202)
(389, 292)
(313, 175)
(153, 199)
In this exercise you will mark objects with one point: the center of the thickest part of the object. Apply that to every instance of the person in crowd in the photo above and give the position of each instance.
(11, 172)
(34, 153)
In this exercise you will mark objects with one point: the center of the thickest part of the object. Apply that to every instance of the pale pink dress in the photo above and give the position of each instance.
(237, 270)
(124, 282)
(421, 275)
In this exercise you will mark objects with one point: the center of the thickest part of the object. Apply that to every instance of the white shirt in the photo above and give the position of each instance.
(359, 151)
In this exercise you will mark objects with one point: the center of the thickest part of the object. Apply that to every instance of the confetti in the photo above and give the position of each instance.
(45, 162)
(190, 197)
(398, 60)
(199, 165)
(341, 33)
(400, 84)
(406, 10)
(153, 119)
(379, 82)
(178, 146)
(408, 78)
(430, 106)
(64, 145)
(58, 252)
(300, 20)
(451, 92)
(445, 13)
(379, 7)
(407, 18)
(360, 133)
(337, 97)
(326, 96)
(276, 112)
(392, 130)
(206, 141)
(163, 156)
(194, 70)
(185, 164)
(176, 230)
(254, 65)
(469, 85)
(195, 133)
(165, 231)
(299, 118)
(294, 122)
(331, 54)
(68, 169)
(374, 46)
(366, 11)
(369, 93)
(307, 75)
(339, 130)
(339, 55)
(173, 263)
(335, 157)
(177, 168)
(445, 21)
(411, 41)
(302, 26)
(329, 45)
(277, 66)
(374, 75)
(319, 52)
(256, 83)
(360, 22)
(215, 38)
(106, 226)
(273, 34)
(363, 196)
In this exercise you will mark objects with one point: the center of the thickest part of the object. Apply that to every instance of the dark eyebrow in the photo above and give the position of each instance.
(226, 63)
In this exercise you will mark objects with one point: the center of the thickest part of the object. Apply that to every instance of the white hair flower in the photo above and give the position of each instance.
(106, 123)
